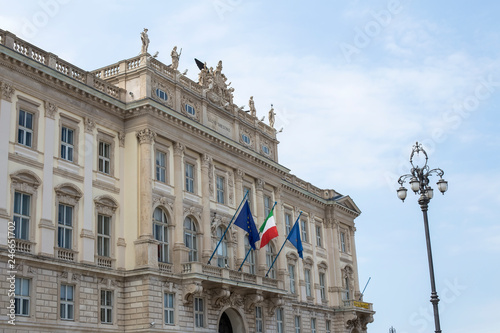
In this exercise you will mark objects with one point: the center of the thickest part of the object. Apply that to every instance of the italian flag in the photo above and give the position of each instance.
(268, 229)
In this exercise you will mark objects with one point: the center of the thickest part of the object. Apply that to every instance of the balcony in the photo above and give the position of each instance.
(65, 254)
(23, 246)
(105, 262)
(358, 305)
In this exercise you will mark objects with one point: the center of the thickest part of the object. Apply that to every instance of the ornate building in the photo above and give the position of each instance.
(115, 186)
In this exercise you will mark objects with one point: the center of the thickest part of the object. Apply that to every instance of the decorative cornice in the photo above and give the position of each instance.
(50, 110)
(146, 136)
(7, 91)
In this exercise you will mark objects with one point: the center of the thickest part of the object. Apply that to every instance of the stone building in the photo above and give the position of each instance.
(115, 186)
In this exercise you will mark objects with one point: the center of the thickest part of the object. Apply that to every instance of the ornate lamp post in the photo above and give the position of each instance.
(419, 183)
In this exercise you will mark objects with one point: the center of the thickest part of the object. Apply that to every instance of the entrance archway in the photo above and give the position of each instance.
(231, 321)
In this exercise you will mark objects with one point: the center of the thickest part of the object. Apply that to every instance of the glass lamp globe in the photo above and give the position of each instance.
(415, 184)
(402, 193)
(442, 185)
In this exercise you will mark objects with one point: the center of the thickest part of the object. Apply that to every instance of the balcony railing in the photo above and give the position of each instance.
(164, 267)
(23, 246)
(65, 254)
(105, 262)
(358, 304)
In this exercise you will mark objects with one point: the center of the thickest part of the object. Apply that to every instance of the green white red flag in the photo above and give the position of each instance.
(268, 229)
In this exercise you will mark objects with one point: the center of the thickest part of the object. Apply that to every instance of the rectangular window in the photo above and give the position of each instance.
(67, 144)
(303, 227)
(168, 308)
(313, 325)
(189, 177)
(288, 223)
(328, 329)
(322, 286)
(279, 320)
(220, 189)
(267, 205)
(342, 242)
(22, 212)
(25, 129)
(22, 297)
(65, 227)
(318, 236)
(291, 274)
(198, 312)
(307, 277)
(297, 324)
(104, 157)
(67, 302)
(106, 306)
(259, 327)
(103, 235)
(161, 167)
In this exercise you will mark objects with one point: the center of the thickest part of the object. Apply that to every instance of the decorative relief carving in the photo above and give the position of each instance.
(105, 205)
(206, 160)
(239, 174)
(195, 211)
(211, 178)
(121, 139)
(249, 134)
(259, 184)
(253, 300)
(25, 181)
(50, 110)
(146, 136)
(7, 92)
(220, 297)
(89, 125)
(163, 201)
(273, 304)
(269, 144)
(68, 194)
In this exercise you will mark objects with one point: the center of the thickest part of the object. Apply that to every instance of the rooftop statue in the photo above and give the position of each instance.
(175, 58)
(145, 41)
(271, 116)
(251, 104)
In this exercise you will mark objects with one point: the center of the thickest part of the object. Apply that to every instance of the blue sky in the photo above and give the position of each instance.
(355, 84)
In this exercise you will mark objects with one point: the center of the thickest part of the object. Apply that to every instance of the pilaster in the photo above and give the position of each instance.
(6, 93)
(261, 255)
(145, 246)
(205, 214)
(240, 246)
(178, 206)
(87, 233)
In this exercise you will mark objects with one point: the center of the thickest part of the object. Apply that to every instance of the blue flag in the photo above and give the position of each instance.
(294, 238)
(245, 222)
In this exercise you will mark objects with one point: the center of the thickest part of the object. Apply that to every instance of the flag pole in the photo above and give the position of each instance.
(250, 249)
(225, 231)
(282, 247)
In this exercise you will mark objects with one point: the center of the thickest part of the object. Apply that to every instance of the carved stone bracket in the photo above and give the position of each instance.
(220, 297)
(178, 149)
(189, 290)
(253, 300)
(146, 136)
(206, 160)
(359, 322)
(274, 303)
(7, 92)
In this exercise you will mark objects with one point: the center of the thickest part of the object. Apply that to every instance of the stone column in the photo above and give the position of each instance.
(205, 222)
(6, 93)
(145, 247)
(337, 273)
(356, 292)
(240, 246)
(261, 254)
(87, 233)
(120, 228)
(178, 239)
(47, 226)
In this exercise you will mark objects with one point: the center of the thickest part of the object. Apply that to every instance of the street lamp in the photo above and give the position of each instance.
(419, 183)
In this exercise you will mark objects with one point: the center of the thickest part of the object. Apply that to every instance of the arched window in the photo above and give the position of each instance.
(251, 256)
(160, 233)
(190, 239)
(222, 259)
(270, 255)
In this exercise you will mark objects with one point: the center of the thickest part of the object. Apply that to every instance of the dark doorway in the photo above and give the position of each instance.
(225, 324)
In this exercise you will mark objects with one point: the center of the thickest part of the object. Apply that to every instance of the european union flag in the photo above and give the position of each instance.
(294, 238)
(245, 222)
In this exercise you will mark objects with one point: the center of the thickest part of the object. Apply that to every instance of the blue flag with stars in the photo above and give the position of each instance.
(245, 222)
(294, 238)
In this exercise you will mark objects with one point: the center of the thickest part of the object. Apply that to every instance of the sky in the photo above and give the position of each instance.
(355, 84)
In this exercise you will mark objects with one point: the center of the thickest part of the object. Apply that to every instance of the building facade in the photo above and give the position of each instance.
(115, 187)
